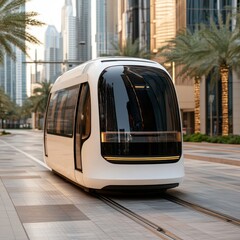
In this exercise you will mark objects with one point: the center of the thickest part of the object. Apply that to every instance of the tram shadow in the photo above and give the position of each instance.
(133, 193)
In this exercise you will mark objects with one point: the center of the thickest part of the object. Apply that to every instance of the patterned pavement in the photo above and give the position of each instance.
(37, 204)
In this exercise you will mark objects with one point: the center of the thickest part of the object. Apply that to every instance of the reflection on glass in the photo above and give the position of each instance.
(139, 116)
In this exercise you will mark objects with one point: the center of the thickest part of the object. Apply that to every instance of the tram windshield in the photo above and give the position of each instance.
(139, 116)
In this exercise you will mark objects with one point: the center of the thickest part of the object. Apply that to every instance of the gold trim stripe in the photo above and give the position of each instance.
(141, 158)
(137, 137)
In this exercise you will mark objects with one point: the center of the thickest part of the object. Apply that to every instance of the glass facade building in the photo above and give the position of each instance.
(83, 10)
(106, 27)
(201, 12)
(68, 30)
(52, 54)
(134, 22)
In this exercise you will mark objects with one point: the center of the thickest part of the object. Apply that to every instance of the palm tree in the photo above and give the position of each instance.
(182, 50)
(131, 49)
(14, 25)
(223, 54)
(216, 51)
(40, 98)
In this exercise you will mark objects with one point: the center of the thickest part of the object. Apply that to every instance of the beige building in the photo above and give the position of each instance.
(163, 19)
(167, 18)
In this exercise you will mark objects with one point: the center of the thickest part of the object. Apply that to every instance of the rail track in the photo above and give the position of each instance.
(157, 229)
(198, 208)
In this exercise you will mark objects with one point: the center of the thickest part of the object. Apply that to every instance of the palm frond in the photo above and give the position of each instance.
(40, 97)
(14, 25)
(131, 49)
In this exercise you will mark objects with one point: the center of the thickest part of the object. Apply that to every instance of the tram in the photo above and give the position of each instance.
(114, 123)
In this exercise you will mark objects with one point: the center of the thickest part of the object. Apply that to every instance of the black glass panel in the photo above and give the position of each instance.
(139, 115)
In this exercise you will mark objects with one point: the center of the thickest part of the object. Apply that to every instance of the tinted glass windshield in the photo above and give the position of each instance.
(139, 114)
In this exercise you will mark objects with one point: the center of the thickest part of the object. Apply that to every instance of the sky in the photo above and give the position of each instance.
(49, 10)
(49, 13)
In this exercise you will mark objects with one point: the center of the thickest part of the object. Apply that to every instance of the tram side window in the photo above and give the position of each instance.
(50, 113)
(61, 112)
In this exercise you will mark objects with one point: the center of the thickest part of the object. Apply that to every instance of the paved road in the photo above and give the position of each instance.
(219, 153)
(212, 176)
(36, 204)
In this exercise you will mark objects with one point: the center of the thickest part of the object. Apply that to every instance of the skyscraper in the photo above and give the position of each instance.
(83, 15)
(167, 17)
(52, 54)
(134, 22)
(96, 27)
(106, 26)
(101, 28)
(69, 36)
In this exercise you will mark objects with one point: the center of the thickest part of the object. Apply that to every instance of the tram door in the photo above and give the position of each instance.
(83, 122)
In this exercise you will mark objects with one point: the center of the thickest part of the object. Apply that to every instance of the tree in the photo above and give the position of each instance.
(216, 50)
(13, 116)
(131, 49)
(40, 97)
(222, 54)
(183, 51)
(38, 102)
(5, 105)
(14, 26)
(27, 108)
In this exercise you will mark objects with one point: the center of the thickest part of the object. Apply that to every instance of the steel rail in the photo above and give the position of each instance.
(202, 209)
(163, 233)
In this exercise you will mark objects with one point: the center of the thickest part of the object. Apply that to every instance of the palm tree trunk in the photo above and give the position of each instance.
(36, 120)
(217, 109)
(197, 104)
(224, 78)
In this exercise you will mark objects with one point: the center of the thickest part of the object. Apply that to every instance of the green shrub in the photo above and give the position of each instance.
(234, 139)
(198, 137)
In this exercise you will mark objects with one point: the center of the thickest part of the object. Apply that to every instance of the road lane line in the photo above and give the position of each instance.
(26, 154)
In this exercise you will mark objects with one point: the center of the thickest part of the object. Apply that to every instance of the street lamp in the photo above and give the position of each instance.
(82, 44)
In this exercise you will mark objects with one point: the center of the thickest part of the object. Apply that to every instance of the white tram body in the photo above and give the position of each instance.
(113, 123)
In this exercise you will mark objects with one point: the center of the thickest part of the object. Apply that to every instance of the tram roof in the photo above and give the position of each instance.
(97, 63)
